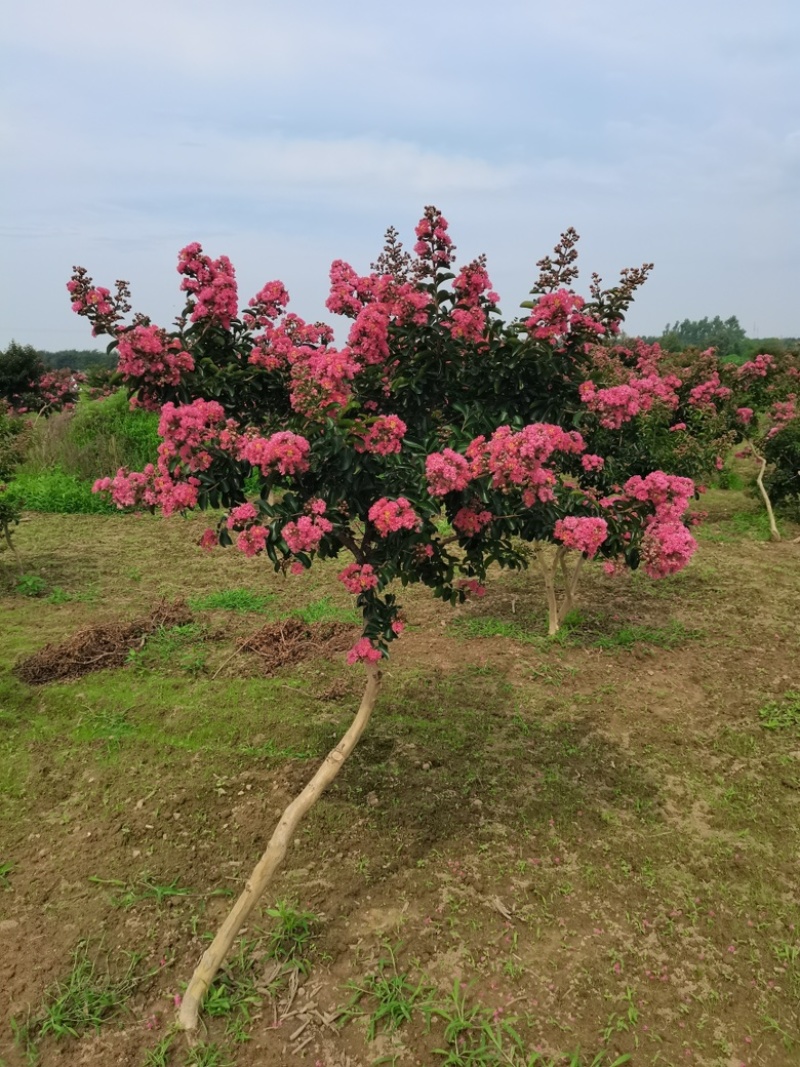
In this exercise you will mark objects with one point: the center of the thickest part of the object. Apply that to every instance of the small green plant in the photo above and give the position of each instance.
(5, 871)
(391, 995)
(31, 585)
(159, 1056)
(234, 994)
(239, 600)
(160, 893)
(88, 997)
(291, 939)
(782, 714)
(207, 1054)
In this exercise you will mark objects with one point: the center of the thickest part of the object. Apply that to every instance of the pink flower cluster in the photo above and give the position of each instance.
(268, 304)
(666, 548)
(305, 534)
(384, 436)
(745, 415)
(241, 515)
(284, 451)
(252, 540)
(188, 430)
(782, 412)
(756, 368)
(369, 335)
(95, 299)
(321, 380)
(582, 534)
(516, 460)
(389, 516)
(668, 494)
(152, 488)
(358, 578)
(621, 403)
(447, 472)
(364, 651)
(556, 315)
(146, 353)
(211, 285)
(470, 522)
(590, 462)
(706, 393)
(434, 245)
(350, 292)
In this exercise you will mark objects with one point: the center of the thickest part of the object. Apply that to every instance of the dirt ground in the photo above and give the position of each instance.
(589, 843)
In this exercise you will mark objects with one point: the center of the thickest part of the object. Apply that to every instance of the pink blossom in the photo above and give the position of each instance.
(389, 516)
(211, 285)
(470, 522)
(582, 534)
(556, 315)
(241, 515)
(745, 414)
(668, 494)
(666, 548)
(592, 463)
(305, 534)
(385, 436)
(358, 578)
(472, 586)
(252, 540)
(208, 540)
(363, 651)
(756, 368)
(447, 472)
(284, 451)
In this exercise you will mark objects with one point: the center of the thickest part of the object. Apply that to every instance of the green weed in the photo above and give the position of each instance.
(392, 997)
(31, 585)
(291, 938)
(160, 1055)
(233, 993)
(5, 871)
(782, 714)
(207, 1055)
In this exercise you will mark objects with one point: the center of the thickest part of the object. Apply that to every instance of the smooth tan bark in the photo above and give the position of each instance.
(273, 856)
(774, 533)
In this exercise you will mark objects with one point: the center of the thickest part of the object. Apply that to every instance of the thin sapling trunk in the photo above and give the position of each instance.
(272, 858)
(774, 534)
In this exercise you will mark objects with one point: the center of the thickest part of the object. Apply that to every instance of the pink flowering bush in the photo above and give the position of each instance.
(433, 407)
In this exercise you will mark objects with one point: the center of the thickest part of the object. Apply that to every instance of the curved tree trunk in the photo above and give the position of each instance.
(774, 534)
(273, 856)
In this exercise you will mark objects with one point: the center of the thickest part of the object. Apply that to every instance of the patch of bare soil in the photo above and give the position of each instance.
(97, 648)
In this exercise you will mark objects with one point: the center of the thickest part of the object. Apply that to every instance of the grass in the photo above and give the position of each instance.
(555, 821)
(238, 600)
(86, 999)
(57, 492)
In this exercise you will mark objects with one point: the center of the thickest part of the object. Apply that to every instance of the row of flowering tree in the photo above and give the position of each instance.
(434, 407)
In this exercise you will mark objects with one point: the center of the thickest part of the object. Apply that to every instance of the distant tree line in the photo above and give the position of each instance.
(79, 359)
(726, 336)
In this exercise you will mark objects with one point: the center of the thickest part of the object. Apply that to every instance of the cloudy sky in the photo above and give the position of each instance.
(287, 135)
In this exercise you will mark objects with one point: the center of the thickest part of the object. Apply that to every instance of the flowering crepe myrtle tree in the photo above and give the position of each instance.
(434, 406)
(766, 403)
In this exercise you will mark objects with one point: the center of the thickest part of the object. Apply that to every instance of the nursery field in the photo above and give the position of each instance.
(582, 850)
